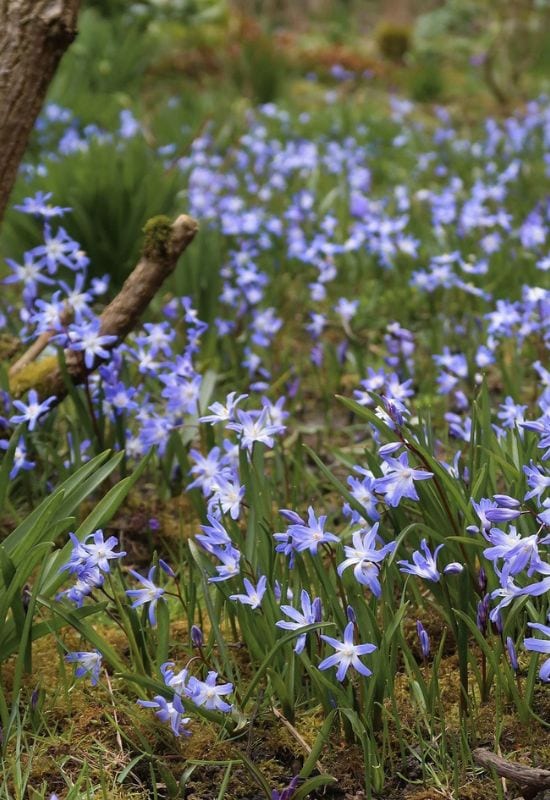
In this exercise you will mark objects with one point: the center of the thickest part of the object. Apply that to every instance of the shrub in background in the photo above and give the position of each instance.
(394, 40)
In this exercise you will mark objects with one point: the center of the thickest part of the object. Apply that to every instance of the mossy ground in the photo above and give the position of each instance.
(103, 728)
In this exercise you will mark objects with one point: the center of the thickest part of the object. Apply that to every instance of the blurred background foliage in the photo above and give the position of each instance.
(177, 66)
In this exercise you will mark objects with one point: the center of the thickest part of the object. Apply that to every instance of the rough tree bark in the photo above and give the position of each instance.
(34, 34)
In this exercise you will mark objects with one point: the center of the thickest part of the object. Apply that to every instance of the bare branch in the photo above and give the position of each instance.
(164, 244)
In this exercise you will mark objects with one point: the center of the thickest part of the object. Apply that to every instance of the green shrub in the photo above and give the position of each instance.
(426, 82)
(113, 189)
(393, 40)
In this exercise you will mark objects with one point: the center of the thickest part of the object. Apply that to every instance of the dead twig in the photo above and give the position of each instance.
(532, 780)
(296, 734)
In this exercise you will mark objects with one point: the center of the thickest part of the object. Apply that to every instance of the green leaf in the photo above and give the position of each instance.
(311, 785)
(272, 653)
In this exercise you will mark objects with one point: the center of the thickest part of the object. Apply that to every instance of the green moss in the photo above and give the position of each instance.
(157, 232)
(34, 376)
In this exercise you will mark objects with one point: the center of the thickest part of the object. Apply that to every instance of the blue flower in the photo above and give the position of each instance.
(347, 654)
(177, 681)
(20, 460)
(398, 482)
(171, 712)
(149, 594)
(32, 410)
(214, 537)
(311, 613)
(254, 428)
(101, 551)
(538, 481)
(310, 536)
(224, 413)
(365, 557)
(540, 646)
(89, 664)
(87, 337)
(254, 594)
(424, 566)
(209, 695)
(229, 567)
(58, 250)
(39, 206)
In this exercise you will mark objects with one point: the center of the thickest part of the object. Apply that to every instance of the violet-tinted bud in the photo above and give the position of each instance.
(287, 793)
(505, 501)
(388, 449)
(350, 613)
(424, 639)
(341, 351)
(277, 591)
(482, 615)
(461, 401)
(512, 654)
(454, 568)
(291, 516)
(154, 524)
(317, 608)
(197, 638)
(482, 580)
(34, 698)
(165, 567)
(292, 388)
(502, 514)
(317, 355)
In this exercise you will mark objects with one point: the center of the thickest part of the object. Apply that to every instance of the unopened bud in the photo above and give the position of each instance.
(197, 638)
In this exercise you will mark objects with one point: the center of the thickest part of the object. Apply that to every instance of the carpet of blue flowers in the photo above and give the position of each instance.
(350, 400)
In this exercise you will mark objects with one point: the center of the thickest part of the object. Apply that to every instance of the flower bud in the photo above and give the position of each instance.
(502, 514)
(165, 567)
(482, 615)
(505, 501)
(197, 638)
(482, 580)
(512, 654)
(388, 449)
(317, 608)
(454, 568)
(424, 639)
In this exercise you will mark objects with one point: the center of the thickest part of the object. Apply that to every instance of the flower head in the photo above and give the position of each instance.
(88, 664)
(311, 613)
(32, 410)
(347, 654)
(149, 594)
(398, 482)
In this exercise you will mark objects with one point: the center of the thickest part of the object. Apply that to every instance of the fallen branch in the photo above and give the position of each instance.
(163, 245)
(532, 779)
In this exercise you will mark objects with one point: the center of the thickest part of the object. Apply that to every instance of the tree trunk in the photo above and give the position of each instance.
(34, 34)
